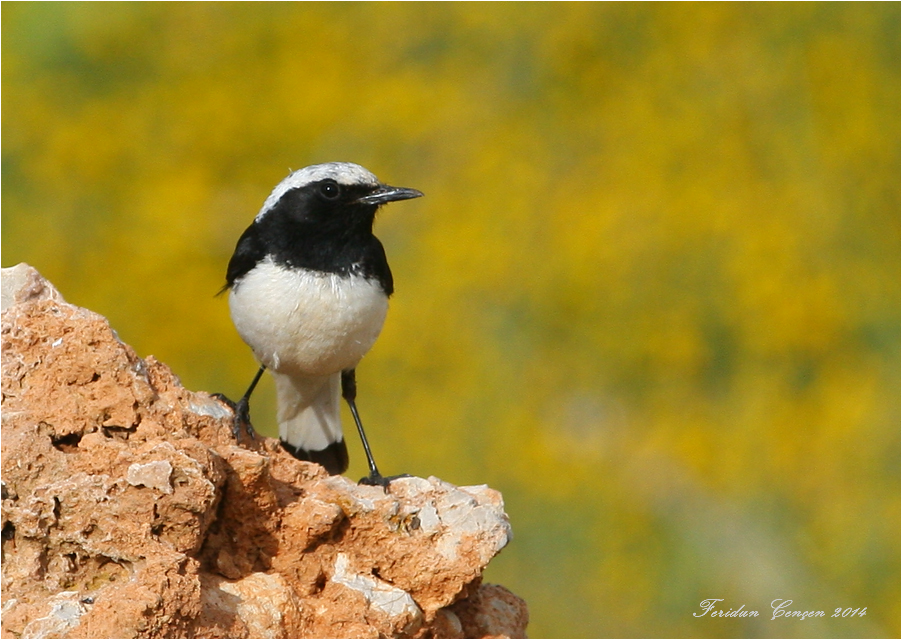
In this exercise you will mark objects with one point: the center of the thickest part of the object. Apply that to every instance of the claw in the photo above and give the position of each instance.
(241, 410)
(223, 399)
(377, 480)
(243, 415)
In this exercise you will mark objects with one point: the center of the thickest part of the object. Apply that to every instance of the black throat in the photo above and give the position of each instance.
(303, 231)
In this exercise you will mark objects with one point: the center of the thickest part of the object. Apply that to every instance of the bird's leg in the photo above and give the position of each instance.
(349, 393)
(242, 408)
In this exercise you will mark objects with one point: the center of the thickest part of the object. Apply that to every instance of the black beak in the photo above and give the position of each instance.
(384, 193)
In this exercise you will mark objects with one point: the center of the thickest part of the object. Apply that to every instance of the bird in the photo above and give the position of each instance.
(308, 287)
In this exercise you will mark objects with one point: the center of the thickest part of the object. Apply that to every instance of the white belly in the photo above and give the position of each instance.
(307, 323)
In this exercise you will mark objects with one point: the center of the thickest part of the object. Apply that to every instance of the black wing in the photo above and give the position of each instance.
(248, 252)
(375, 265)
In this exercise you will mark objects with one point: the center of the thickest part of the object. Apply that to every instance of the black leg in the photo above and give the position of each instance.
(349, 392)
(243, 408)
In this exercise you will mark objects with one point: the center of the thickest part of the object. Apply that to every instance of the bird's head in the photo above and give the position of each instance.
(335, 194)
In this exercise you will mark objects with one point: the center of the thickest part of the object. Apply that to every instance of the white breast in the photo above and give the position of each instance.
(306, 322)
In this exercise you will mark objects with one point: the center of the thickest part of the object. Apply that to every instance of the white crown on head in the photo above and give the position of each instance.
(346, 173)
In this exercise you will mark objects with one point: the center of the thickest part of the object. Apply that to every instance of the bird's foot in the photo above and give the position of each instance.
(242, 411)
(243, 416)
(378, 480)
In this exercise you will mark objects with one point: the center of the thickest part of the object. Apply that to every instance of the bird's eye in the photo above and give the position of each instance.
(329, 190)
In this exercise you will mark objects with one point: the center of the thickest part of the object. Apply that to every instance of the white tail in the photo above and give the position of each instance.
(310, 419)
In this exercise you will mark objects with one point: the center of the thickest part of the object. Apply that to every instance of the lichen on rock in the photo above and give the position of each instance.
(130, 511)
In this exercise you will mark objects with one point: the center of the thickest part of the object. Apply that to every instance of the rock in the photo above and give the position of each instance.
(130, 511)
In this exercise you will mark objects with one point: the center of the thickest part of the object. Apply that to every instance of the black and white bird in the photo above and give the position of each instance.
(308, 291)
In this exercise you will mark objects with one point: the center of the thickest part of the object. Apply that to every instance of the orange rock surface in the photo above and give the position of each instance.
(130, 511)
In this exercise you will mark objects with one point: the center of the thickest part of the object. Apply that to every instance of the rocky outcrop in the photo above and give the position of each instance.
(130, 511)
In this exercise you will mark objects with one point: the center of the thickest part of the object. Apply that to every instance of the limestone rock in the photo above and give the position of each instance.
(130, 511)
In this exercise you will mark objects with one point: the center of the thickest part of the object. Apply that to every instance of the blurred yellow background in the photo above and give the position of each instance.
(652, 293)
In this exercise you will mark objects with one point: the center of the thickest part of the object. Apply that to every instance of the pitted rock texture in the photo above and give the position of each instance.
(130, 511)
